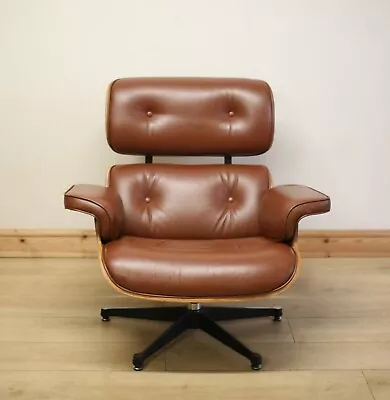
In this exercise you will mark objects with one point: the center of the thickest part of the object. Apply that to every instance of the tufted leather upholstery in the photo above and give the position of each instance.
(194, 231)
(190, 201)
(193, 117)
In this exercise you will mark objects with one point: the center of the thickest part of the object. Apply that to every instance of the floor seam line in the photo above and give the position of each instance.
(368, 385)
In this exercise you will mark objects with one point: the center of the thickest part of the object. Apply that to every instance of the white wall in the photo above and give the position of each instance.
(327, 61)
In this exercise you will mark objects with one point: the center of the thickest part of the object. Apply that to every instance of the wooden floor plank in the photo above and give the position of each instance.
(379, 383)
(361, 329)
(262, 330)
(336, 288)
(207, 355)
(79, 330)
(39, 305)
(325, 288)
(87, 329)
(337, 310)
(16, 356)
(163, 386)
(53, 278)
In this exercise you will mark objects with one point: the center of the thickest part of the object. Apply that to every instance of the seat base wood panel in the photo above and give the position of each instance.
(193, 317)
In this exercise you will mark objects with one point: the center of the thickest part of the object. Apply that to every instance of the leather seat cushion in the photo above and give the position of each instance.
(199, 268)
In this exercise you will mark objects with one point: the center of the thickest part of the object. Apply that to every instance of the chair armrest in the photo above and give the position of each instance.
(101, 202)
(282, 207)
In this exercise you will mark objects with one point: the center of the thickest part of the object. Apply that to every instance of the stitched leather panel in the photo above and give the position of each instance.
(190, 201)
(199, 268)
(190, 116)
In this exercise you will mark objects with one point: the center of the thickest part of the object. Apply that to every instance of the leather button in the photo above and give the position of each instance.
(230, 199)
(149, 113)
(231, 113)
(147, 199)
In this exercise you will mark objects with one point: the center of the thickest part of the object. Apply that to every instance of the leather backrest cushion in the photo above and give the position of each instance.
(174, 201)
(190, 116)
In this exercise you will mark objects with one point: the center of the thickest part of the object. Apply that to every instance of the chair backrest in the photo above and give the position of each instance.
(174, 201)
(190, 117)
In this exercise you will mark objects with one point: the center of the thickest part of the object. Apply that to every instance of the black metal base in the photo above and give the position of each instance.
(193, 317)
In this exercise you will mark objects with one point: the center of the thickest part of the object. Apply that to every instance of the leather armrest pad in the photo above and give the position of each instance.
(282, 207)
(101, 202)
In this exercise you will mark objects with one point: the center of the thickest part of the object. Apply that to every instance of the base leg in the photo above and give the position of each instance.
(194, 317)
(214, 330)
(233, 313)
(165, 338)
(153, 313)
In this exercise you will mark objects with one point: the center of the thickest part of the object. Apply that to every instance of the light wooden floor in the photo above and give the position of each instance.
(333, 344)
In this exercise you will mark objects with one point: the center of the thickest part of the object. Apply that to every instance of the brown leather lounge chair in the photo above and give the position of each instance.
(194, 233)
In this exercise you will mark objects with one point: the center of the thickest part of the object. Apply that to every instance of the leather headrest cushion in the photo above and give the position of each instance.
(190, 116)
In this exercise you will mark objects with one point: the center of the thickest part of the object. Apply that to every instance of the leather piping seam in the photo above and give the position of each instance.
(111, 223)
(272, 112)
(305, 215)
(108, 109)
